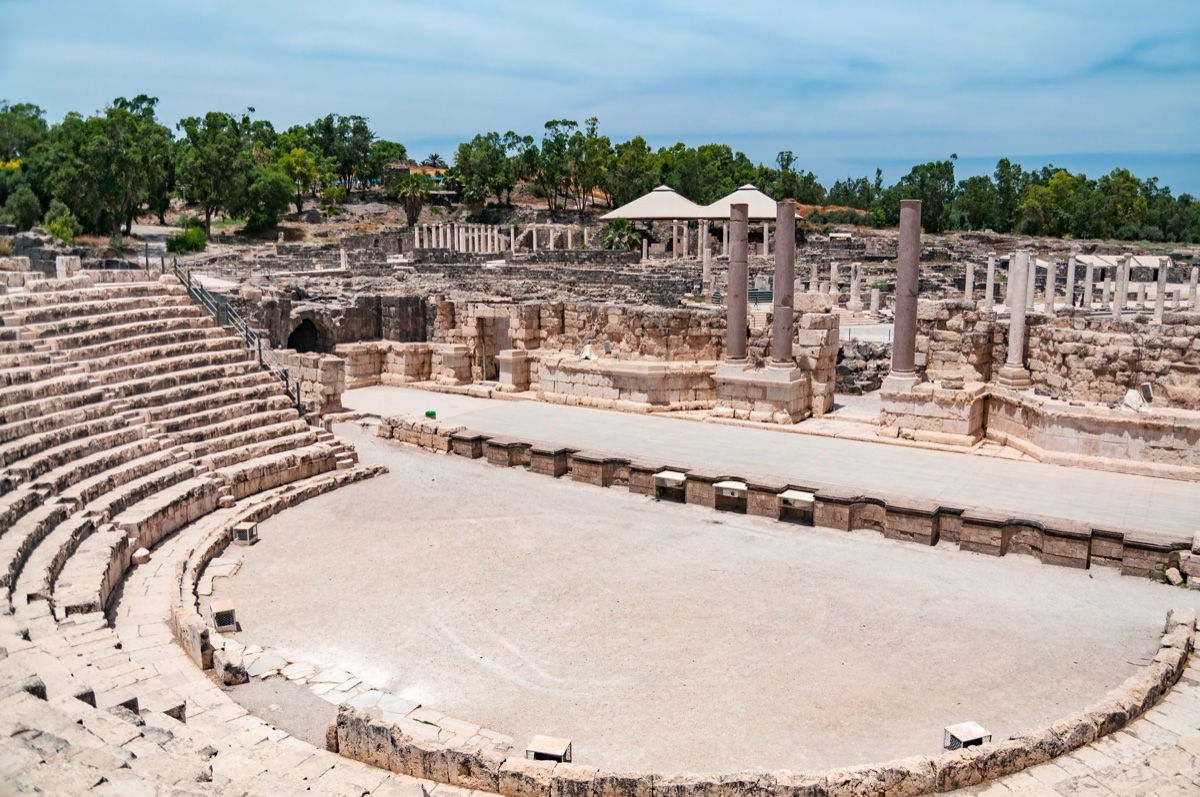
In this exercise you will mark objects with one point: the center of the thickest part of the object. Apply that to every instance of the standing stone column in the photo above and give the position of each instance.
(533, 232)
(1140, 301)
(706, 274)
(702, 235)
(674, 239)
(570, 237)
(1089, 285)
(725, 239)
(876, 297)
(1193, 286)
(785, 284)
(990, 286)
(1160, 294)
(855, 304)
(512, 238)
(342, 250)
(908, 262)
(969, 283)
(1013, 373)
(645, 248)
(1051, 279)
(767, 238)
(1071, 264)
(585, 237)
(1121, 290)
(1032, 277)
(814, 279)
(833, 282)
(735, 299)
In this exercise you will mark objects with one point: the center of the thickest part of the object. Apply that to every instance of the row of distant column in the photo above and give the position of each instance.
(681, 242)
(467, 238)
(1116, 285)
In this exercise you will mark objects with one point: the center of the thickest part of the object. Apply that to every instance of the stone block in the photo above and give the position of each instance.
(524, 777)
(595, 468)
(549, 460)
(572, 780)
(474, 768)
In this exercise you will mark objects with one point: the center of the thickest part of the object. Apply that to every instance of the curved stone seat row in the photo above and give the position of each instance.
(144, 443)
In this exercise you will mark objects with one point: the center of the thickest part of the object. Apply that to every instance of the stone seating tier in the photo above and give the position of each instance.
(133, 415)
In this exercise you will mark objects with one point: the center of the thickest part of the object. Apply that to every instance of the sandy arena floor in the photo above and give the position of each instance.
(667, 637)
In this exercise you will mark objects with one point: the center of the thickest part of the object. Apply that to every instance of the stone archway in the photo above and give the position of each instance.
(309, 337)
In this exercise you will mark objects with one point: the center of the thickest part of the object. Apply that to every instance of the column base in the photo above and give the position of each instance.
(854, 306)
(1013, 376)
(780, 393)
(899, 383)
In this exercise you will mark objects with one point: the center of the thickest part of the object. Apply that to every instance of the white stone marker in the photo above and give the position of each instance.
(990, 285)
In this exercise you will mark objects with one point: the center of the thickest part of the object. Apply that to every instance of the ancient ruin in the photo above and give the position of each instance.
(159, 413)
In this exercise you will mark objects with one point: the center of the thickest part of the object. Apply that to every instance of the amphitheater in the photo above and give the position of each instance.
(138, 435)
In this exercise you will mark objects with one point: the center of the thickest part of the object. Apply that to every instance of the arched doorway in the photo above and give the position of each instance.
(306, 338)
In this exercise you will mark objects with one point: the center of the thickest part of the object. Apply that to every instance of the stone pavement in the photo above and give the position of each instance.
(1096, 497)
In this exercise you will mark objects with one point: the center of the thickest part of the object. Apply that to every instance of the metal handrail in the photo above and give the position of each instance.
(216, 306)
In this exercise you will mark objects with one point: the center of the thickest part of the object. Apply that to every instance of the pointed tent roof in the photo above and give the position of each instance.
(760, 206)
(661, 203)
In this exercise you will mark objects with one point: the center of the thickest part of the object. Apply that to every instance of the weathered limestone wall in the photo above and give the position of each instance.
(322, 380)
(955, 338)
(815, 349)
(1098, 359)
(625, 385)
(1165, 442)
(364, 317)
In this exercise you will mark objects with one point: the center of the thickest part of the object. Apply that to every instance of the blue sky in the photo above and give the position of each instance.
(1085, 84)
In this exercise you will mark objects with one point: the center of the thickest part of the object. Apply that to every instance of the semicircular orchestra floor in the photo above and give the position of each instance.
(670, 638)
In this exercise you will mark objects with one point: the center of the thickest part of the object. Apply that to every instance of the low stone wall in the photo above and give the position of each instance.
(190, 629)
(360, 736)
(632, 386)
(1162, 442)
(1052, 540)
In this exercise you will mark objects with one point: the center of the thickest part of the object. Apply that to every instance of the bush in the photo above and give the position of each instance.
(335, 194)
(619, 234)
(190, 240)
(187, 222)
(61, 223)
(5, 247)
(23, 208)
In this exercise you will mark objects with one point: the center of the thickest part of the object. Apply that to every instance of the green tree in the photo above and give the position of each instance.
(933, 184)
(22, 208)
(1121, 202)
(411, 190)
(551, 173)
(381, 154)
(301, 169)
(22, 127)
(434, 161)
(482, 168)
(1010, 188)
(345, 140)
(852, 193)
(634, 171)
(215, 162)
(156, 148)
(266, 196)
(978, 202)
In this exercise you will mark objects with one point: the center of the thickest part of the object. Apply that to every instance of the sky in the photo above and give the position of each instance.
(846, 85)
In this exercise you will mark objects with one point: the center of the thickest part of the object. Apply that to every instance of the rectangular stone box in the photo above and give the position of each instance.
(467, 444)
(506, 452)
(549, 460)
(729, 495)
(591, 467)
(797, 506)
(669, 486)
(698, 489)
(915, 521)
(762, 496)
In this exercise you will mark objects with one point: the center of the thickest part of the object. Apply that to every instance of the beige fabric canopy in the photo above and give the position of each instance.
(661, 204)
(759, 206)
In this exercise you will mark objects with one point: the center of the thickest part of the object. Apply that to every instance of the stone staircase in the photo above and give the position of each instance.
(128, 418)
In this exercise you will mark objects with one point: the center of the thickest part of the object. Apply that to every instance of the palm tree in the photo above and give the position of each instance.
(412, 190)
(619, 234)
(434, 160)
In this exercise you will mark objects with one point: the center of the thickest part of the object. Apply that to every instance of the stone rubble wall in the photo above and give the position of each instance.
(1070, 356)
(862, 366)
